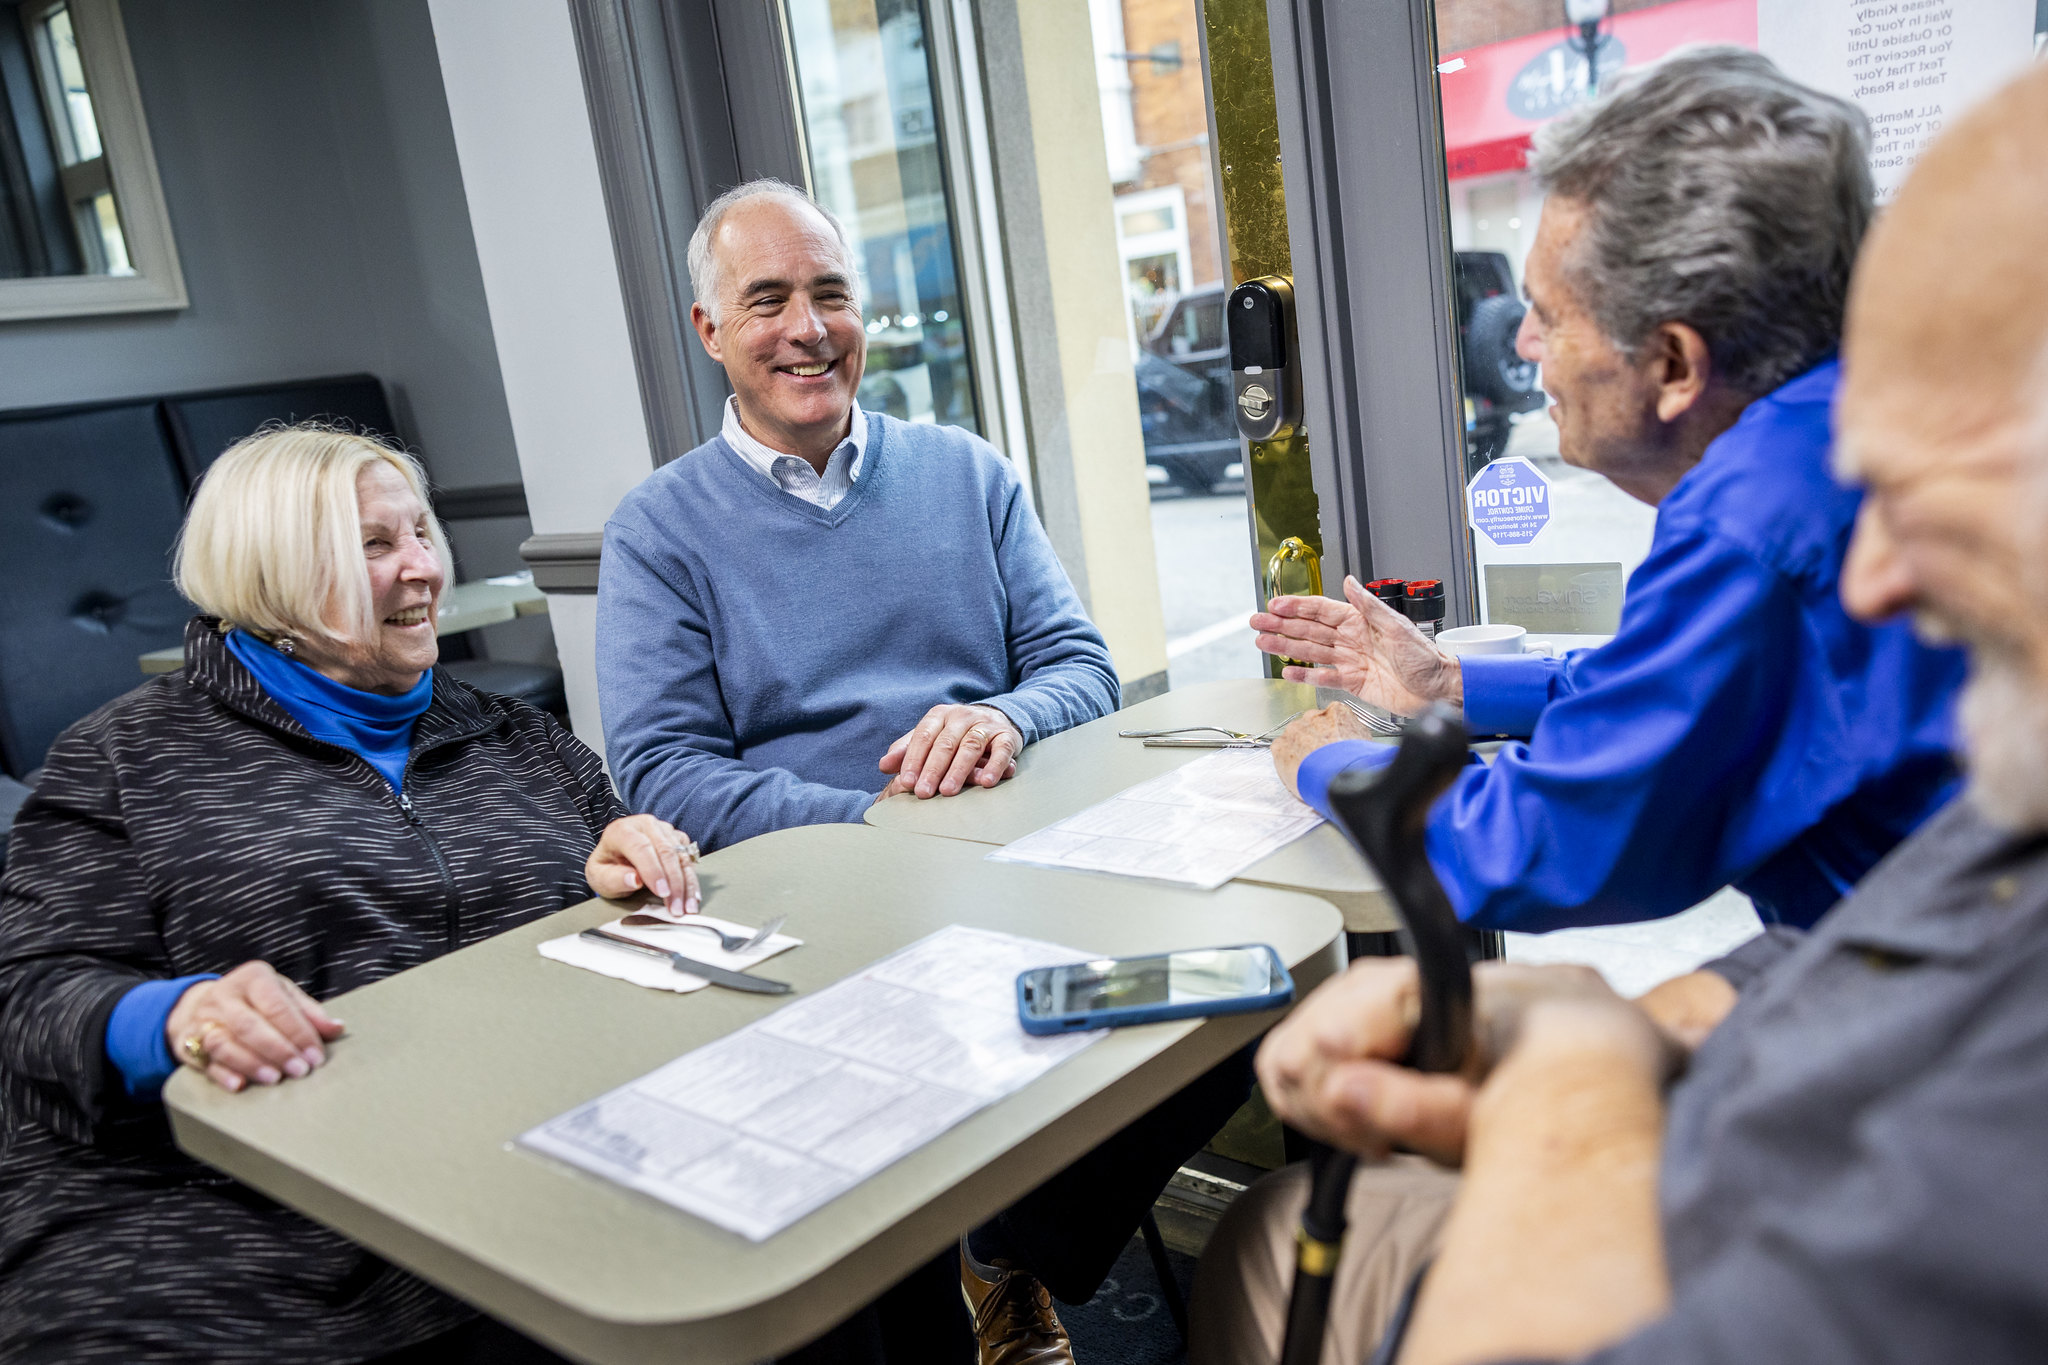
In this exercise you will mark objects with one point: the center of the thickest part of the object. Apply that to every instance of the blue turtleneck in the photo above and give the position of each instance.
(375, 726)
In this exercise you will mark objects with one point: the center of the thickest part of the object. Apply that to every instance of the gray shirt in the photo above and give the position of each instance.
(1856, 1165)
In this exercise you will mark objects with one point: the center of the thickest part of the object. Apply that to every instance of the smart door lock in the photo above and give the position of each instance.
(1264, 386)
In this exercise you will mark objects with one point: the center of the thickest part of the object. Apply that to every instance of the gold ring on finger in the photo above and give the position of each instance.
(977, 734)
(194, 1045)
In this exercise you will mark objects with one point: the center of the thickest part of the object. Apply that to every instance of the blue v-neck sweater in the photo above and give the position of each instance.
(757, 654)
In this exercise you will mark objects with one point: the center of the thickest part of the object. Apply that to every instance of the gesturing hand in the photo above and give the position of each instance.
(1366, 647)
(641, 851)
(952, 746)
(250, 1025)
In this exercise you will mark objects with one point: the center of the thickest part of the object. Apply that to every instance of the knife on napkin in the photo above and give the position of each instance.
(717, 976)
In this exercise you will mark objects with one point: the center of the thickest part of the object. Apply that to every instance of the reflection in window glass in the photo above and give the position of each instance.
(872, 135)
(1197, 327)
(1511, 66)
(1154, 281)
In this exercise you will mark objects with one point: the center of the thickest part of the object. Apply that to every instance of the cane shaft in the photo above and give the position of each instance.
(1383, 816)
(1317, 1249)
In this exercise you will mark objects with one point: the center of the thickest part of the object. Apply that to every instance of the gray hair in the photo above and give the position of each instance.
(1722, 194)
(704, 271)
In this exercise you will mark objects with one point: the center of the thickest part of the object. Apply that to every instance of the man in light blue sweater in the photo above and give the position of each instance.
(824, 606)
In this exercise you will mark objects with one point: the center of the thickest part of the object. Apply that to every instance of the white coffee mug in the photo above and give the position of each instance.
(1500, 639)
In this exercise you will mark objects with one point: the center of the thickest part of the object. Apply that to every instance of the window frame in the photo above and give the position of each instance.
(1369, 230)
(129, 159)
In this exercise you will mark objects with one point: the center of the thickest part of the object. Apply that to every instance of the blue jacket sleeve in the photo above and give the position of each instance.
(1060, 668)
(671, 744)
(1649, 781)
(135, 1034)
(1505, 693)
(1312, 779)
(1653, 777)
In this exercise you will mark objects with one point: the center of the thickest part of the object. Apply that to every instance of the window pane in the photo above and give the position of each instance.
(1155, 124)
(1148, 220)
(865, 84)
(106, 224)
(1509, 67)
(82, 140)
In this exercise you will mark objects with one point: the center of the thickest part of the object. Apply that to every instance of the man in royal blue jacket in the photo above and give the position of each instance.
(1686, 291)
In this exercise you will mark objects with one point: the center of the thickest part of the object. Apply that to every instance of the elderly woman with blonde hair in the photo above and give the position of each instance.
(306, 807)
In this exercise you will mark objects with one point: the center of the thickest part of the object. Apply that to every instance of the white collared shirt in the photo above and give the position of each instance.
(792, 473)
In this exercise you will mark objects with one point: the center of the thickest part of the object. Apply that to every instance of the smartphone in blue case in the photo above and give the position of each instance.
(1112, 991)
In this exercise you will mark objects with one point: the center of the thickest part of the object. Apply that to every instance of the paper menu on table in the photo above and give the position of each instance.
(761, 1127)
(1199, 825)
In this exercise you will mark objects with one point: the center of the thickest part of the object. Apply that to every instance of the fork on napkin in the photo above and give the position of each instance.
(655, 974)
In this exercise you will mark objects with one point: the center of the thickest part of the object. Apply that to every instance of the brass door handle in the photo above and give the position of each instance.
(1294, 550)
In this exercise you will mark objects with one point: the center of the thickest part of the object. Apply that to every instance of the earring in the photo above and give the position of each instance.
(287, 646)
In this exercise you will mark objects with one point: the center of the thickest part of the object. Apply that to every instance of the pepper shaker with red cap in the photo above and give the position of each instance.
(1424, 603)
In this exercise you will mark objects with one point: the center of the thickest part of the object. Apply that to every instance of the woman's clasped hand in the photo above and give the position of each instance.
(250, 1025)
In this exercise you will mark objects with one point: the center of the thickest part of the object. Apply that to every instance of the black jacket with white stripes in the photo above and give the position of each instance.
(190, 826)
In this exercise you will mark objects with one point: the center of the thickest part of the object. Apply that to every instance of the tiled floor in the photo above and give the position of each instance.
(1635, 957)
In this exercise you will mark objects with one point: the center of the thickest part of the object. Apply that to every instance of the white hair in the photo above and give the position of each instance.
(274, 540)
(1720, 193)
(705, 274)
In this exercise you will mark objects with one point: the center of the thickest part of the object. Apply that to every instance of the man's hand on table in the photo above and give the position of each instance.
(252, 1024)
(1310, 733)
(1364, 647)
(1332, 1068)
(953, 745)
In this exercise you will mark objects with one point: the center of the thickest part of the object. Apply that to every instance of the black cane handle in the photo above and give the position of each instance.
(1384, 812)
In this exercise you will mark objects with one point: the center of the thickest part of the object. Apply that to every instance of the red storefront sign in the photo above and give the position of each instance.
(1508, 90)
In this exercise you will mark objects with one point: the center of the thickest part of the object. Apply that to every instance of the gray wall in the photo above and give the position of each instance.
(310, 172)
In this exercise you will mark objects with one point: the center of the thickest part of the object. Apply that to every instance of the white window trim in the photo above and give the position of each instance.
(158, 283)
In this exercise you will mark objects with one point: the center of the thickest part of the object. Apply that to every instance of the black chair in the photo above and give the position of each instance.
(90, 502)
(203, 425)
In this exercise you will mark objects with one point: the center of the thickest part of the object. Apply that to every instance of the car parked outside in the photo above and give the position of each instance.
(1499, 384)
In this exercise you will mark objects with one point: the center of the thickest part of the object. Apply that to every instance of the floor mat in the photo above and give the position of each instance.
(1127, 1322)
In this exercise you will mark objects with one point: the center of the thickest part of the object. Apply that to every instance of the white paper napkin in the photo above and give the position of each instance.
(652, 972)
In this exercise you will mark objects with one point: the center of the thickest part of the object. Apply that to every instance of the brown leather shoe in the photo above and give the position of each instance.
(1013, 1319)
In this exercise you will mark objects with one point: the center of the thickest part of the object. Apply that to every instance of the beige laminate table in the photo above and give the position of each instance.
(466, 606)
(1071, 771)
(403, 1141)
